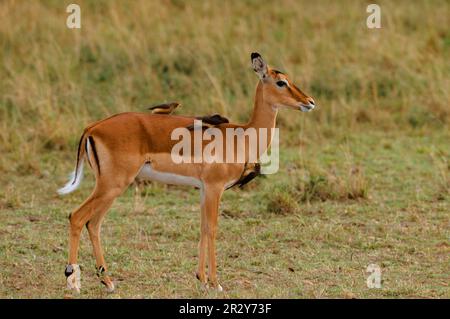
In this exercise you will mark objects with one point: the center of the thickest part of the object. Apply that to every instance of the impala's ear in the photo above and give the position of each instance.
(259, 66)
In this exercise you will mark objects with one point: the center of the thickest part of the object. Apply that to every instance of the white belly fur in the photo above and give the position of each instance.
(148, 173)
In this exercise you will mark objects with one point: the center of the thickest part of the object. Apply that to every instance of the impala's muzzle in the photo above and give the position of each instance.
(307, 107)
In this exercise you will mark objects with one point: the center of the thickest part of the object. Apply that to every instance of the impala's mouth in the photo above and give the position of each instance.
(306, 107)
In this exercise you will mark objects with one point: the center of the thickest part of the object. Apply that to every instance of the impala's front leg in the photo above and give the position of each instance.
(202, 246)
(210, 210)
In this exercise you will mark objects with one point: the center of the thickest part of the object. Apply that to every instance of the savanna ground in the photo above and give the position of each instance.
(363, 179)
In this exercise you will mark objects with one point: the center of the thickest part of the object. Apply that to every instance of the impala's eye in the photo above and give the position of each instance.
(281, 83)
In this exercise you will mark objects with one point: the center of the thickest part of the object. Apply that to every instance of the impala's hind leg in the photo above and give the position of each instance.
(91, 214)
(77, 220)
(110, 184)
(94, 227)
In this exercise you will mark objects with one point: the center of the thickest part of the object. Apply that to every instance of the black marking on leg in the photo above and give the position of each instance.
(69, 270)
(100, 271)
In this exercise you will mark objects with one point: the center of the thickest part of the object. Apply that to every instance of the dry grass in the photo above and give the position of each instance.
(363, 179)
(128, 56)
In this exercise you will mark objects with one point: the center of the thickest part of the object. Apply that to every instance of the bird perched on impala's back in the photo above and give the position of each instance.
(166, 108)
(209, 121)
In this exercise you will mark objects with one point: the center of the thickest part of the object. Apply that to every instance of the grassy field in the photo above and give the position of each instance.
(364, 178)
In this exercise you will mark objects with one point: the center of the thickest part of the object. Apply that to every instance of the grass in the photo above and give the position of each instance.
(363, 179)
(319, 249)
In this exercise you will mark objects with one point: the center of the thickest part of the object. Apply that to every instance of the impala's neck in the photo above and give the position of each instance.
(264, 116)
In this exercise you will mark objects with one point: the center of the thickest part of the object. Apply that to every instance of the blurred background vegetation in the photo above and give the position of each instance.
(130, 54)
(366, 172)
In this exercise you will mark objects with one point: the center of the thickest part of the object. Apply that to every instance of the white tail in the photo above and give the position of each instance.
(74, 182)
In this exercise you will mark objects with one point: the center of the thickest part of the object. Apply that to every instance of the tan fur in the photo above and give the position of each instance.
(125, 142)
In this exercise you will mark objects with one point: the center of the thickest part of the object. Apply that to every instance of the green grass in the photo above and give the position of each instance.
(363, 179)
(320, 249)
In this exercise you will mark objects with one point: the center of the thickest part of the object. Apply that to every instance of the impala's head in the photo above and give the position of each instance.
(279, 90)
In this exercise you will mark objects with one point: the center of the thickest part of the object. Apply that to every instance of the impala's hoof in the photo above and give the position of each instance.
(202, 279)
(73, 274)
(105, 279)
(217, 287)
(109, 286)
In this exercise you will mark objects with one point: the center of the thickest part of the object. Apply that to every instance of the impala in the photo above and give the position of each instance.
(127, 146)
